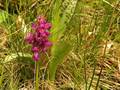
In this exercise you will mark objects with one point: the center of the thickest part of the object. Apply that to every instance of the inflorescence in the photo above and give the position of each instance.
(39, 37)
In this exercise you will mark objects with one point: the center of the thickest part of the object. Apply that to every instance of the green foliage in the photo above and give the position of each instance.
(3, 16)
(80, 31)
(59, 51)
(21, 57)
(107, 17)
(2, 76)
(61, 15)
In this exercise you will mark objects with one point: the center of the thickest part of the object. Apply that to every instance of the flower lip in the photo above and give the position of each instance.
(41, 20)
(29, 38)
(48, 26)
(48, 44)
(35, 49)
(36, 56)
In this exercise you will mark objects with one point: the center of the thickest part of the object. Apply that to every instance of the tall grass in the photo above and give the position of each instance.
(85, 35)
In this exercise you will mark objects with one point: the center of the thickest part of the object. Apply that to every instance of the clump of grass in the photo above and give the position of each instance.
(85, 52)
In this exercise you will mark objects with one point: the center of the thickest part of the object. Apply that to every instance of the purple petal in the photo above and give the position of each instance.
(48, 26)
(42, 25)
(47, 33)
(41, 30)
(35, 49)
(29, 38)
(36, 56)
(44, 49)
(48, 44)
(43, 35)
(34, 26)
(41, 20)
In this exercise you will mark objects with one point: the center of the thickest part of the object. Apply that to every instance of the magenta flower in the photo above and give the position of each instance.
(39, 38)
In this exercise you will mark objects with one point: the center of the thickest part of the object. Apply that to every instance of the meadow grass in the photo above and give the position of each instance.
(85, 52)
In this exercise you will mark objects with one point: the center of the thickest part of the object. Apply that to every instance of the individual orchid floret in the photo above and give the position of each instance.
(29, 38)
(36, 56)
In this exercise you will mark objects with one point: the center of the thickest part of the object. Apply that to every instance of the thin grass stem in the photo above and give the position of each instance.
(36, 75)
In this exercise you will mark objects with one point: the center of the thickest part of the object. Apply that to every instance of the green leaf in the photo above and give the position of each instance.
(3, 16)
(59, 51)
(61, 15)
(108, 16)
(24, 58)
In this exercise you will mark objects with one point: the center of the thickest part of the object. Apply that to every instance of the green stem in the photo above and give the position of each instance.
(36, 75)
(99, 78)
(92, 75)
(85, 72)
